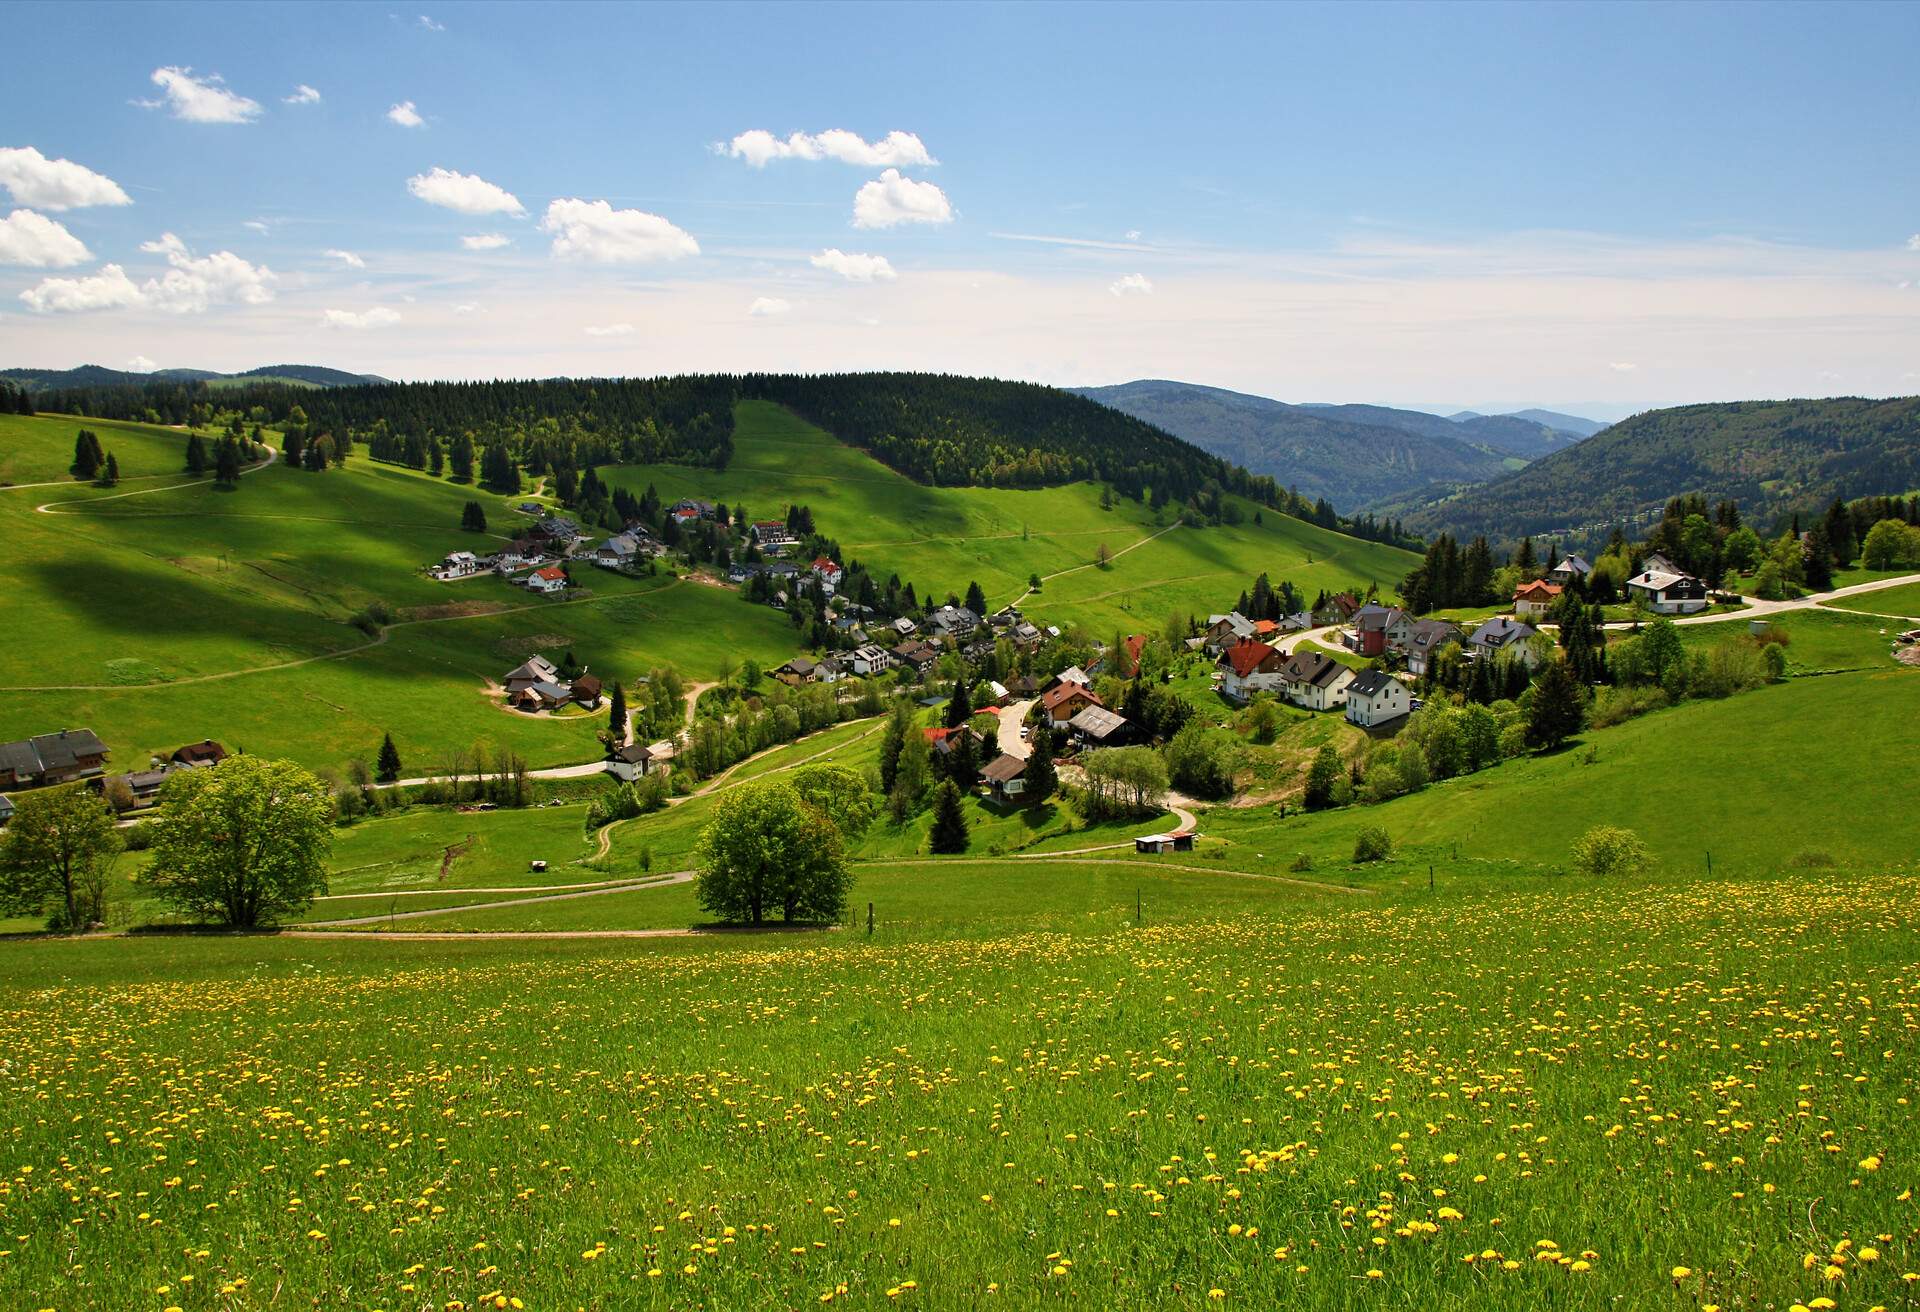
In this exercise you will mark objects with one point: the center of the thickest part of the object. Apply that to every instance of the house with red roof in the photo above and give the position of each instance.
(1250, 666)
(549, 579)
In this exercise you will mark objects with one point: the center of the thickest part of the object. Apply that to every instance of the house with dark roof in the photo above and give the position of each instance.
(1096, 726)
(956, 622)
(1249, 666)
(1223, 631)
(630, 762)
(1315, 680)
(1502, 634)
(1005, 777)
(795, 672)
(1376, 699)
(535, 669)
(1571, 569)
(204, 752)
(52, 758)
(1666, 593)
(586, 691)
(917, 655)
(1424, 638)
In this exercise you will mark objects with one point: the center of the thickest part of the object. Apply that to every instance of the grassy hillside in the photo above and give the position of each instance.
(40, 450)
(940, 538)
(1773, 457)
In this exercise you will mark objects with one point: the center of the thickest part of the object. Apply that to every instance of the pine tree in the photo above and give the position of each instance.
(963, 760)
(1559, 710)
(617, 714)
(292, 445)
(960, 705)
(949, 833)
(1523, 559)
(976, 599)
(1818, 558)
(473, 517)
(87, 456)
(387, 768)
(111, 474)
(226, 462)
(196, 454)
(1041, 777)
(892, 740)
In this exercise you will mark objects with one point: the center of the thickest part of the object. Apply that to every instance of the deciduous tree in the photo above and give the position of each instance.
(56, 853)
(245, 841)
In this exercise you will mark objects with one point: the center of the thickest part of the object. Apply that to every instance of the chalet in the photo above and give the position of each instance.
(558, 529)
(1666, 593)
(1535, 598)
(1065, 701)
(689, 509)
(1006, 777)
(795, 672)
(831, 669)
(1250, 666)
(956, 622)
(536, 669)
(531, 508)
(459, 565)
(1179, 840)
(1315, 680)
(204, 752)
(586, 691)
(1571, 569)
(541, 696)
(1375, 699)
(1501, 634)
(547, 579)
(517, 555)
(52, 758)
(1425, 637)
(979, 651)
(630, 762)
(1223, 631)
(1096, 726)
(143, 786)
(918, 656)
(617, 552)
(1025, 635)
(1298, 622)
(1341, 607)
(870, 659)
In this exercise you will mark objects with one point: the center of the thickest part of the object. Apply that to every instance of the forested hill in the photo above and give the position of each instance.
(1772, 457)
(1324, 451)
(934, 428)
(96, 376)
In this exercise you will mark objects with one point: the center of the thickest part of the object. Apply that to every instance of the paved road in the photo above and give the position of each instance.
(1012, 716)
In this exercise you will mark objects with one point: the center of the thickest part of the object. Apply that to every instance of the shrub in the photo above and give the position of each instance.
(1303, 862)
(1372, 844)
(1774, 656)
(1607, 852)
(136, 838)
(1811, 858)
(1617, 705)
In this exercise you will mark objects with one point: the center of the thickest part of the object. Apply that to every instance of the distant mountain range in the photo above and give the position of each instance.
(1551, 418)
(93, 375)
(1772, 457)
(1359, 457)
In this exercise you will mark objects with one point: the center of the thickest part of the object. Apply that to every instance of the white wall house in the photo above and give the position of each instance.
(1374, 698)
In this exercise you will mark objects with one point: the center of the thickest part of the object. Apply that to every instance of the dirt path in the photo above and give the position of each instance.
(46, 507)
(488, 936)
(438, 892)
(654, 881)
(1065, 859)
(1075, 569)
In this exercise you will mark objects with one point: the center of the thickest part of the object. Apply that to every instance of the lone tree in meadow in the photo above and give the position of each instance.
(55, 856)
(1559, 709)
(766, 848)
(949, 833)
(387, 768)
(473, 518)
(244, 842)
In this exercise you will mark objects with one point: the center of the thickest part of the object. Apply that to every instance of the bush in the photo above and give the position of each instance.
(1608, 852)
(1617, 705)
(1811, 858)
(136, 838)
(1372, 844)
(1302, 863)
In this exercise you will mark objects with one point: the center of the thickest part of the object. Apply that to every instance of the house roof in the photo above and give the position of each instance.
(1537, 590)
(1371, 683)
(1660, 580)
(204, 750)
(60, 750)
(587, 685)
(1501, 632)
(1434, 633)
(1098, 722)
(553, 692)
(1074, 674)
(1247, 655)
(1312, 667)
(1003, 769)
(532, 670)
(1574, 565)
(633, 754)
(551, 573)
(1067, 692)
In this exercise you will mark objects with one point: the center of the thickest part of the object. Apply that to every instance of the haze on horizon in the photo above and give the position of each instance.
(1595, 209)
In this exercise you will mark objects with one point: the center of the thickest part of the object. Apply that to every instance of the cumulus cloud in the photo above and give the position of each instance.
(609, 329)
(1133, 284)
(891, 199)
(765, 307)
(594, 230)
(486, 241)
(192, 285)
(854, 267)
(466, 192)
(302, 95)
(760, 147)
(347, 258)
(199, 99)
(141, 365)
(109, 289)
(430, 25)
(1913, 242)
(39, 243)
(1622, 367)
(55, 184)
(378, 317)
(405, 115)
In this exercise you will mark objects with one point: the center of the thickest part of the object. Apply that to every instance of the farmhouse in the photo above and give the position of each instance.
(1535, 598)
(1315, 680)
(795, 672)
(547, 580)
(831, 669)
(1666, 593)
(460, 565)
(918, 656)
(52, 758)
(1502, 634)
(1425, 638)
(1249, 666)
(956, 622)
(617, 552)
(204, 752)
(536, 669)
(688, 509)
(630, 762)
(1375, 699)
(586, 691)
(1006, 777)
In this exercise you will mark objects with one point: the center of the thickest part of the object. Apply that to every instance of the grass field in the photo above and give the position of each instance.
(1902, 601)
(40, 450)
(1286, 1101)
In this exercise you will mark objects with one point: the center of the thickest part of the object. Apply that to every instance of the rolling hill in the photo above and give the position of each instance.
(1773, 457)
(93, 375)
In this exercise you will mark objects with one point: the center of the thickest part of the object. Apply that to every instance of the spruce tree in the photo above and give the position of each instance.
(111, 474)
(473, 517)
(1559, 710)
(387, 767)
(960, 705)
(1041, 777)
(976, 599)
(226, 462)
(949, 833)
(196, 454)
(292, 445)
(617, 714)
(963, 760)
(87, 456)
(892, 740)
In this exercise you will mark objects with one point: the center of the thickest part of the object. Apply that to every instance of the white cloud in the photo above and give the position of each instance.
(609, 329)
(1622, 367)
(256, 225)
(192, 285)
(109, 289)
(891, 199)
(486, 241)
(759, 147)
(405, 115)
(430, 25)
(466, 192)
(347, 258)
(594, 230)
(199, 99)
(766, 306)
(378, 317)
(1087, 243)
(1913, 242)
(302, 95)
(1132, 234)
(1133, 284)
(141, 365)
(55, 184)
(855, 267)
(468, 308)
(39, 243)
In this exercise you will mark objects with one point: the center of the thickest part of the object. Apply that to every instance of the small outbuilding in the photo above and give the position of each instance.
(1179, 840)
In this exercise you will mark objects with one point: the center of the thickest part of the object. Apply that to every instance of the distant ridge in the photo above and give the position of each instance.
(93, 375)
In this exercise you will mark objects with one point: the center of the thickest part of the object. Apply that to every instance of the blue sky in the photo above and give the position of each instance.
(1593, 207)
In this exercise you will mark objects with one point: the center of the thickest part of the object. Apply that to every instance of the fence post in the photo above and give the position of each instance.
(1429, 878)
(869, 920)
(1709, 863)
(1136, 904)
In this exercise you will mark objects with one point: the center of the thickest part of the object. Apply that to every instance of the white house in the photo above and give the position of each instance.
(871, 658)
(1375, 698)
(630, 762)
(1668, 594)
(1315, 680)
(1502, 634)
(547, 580)
(1248, 667)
